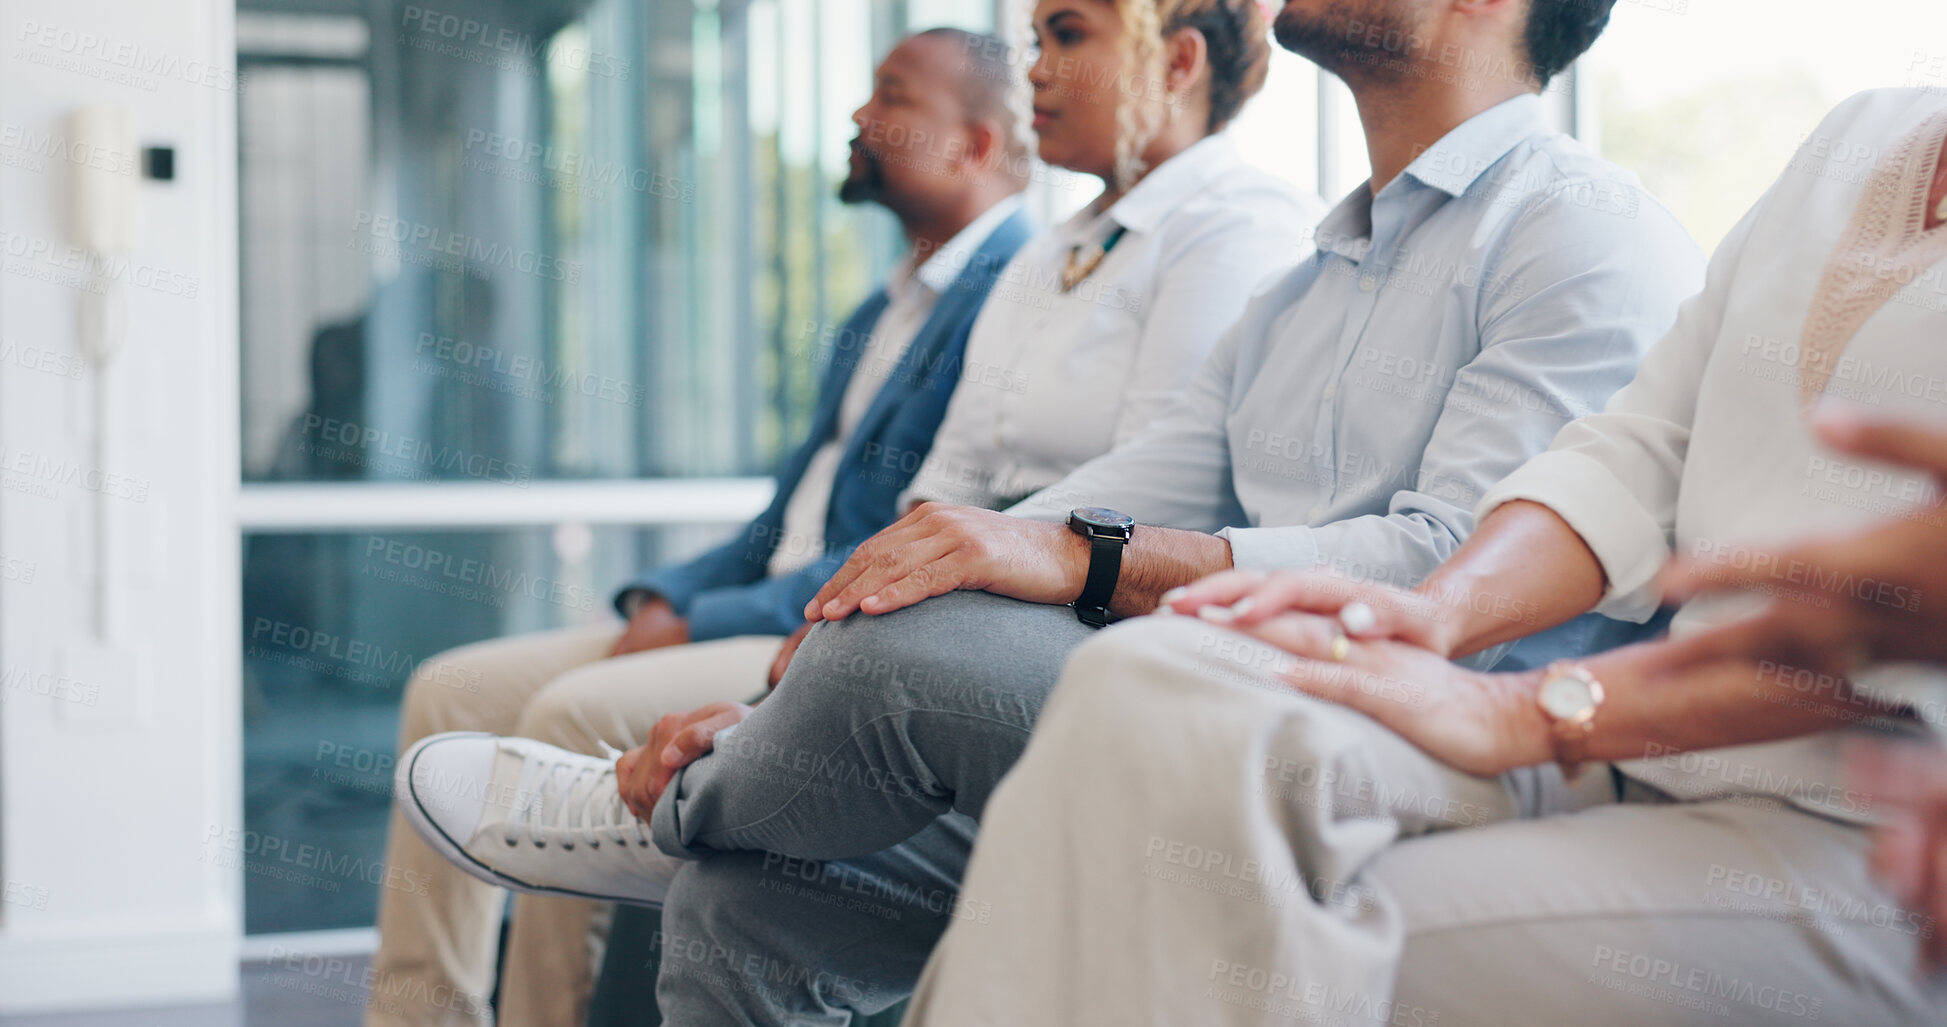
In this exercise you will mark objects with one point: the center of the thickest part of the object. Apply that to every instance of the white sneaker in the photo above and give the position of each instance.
(530, 817)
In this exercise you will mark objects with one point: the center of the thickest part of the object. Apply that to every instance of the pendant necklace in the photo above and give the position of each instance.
(1079, 269)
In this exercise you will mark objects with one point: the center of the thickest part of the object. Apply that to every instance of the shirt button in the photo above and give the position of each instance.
(1330, 391)
(1368, 283)
(1316, 512)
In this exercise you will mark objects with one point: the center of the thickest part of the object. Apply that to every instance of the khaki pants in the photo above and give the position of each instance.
(1186, 840)
(437, 945)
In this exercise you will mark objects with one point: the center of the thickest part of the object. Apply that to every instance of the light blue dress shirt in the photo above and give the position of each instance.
(1443, 333)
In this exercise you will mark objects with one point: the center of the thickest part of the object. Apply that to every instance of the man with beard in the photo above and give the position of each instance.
(937, 147)
(1492, 281)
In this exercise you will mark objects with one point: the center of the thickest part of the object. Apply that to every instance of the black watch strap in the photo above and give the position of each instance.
(1104, 571)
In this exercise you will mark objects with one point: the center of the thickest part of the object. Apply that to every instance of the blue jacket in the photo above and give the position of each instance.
(727, 591)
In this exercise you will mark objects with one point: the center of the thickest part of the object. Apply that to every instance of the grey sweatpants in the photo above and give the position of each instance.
(830, 828)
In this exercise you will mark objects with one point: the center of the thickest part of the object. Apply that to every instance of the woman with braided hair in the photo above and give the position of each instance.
(1097, 326)
(1087, 336)
(1155, 86)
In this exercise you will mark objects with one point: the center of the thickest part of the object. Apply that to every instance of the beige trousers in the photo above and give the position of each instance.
(1186, 840)
(437, 943)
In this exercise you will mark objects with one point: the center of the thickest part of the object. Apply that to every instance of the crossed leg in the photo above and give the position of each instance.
(436, 958)
(869, 763)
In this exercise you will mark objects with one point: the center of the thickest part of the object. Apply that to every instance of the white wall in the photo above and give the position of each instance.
(118, 763)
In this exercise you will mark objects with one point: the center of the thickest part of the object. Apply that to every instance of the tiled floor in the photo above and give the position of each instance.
(271, 997)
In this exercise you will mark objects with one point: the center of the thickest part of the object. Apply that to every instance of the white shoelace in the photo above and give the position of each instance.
(589, 808)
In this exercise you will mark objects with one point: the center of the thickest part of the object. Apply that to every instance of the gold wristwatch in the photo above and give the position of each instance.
(1569, 697)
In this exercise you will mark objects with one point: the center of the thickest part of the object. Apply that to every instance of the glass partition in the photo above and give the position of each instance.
(515, 243)
(528, 240)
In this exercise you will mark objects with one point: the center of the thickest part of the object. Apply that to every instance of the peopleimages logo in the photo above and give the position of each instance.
(465, 577)
(115, 60)
(1837, 904)
(1694, 986)
(48, 685)
(357, 445)
(1664, 766)
(518, 374)
(451, 35)
(46, 361)
(41, 146)
(469, 252)
(578, 168)
(305, 648)
(16, 569)
(69, 265)
(16, 893)
(301, 863)
(42, 469)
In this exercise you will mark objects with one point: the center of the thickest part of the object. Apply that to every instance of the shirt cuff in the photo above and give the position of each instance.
(1626, 540)
(1272, 549)
(1042, 506)
(630, 600)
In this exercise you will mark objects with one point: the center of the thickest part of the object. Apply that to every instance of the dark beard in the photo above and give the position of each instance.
(1337, 39)
(868, 184)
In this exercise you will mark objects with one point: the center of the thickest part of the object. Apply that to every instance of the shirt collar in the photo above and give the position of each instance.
(1175, 180)
(1347, 230)
(1463, 155)
(945, 264)
(1451, 165)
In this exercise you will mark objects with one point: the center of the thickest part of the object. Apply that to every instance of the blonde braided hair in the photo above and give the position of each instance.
(1237, 51)
(1136, 124)
(1239, 54)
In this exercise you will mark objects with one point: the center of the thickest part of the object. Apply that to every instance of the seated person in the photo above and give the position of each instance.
(1099, 324)
(1253, 820)
(1463, 306)
(708, 629)
(1123, 301)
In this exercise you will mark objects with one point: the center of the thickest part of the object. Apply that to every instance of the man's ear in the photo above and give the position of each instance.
(985, 143)
(1185, 55)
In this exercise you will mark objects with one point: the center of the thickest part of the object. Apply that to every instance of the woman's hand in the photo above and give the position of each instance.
(1910, 844)
(1246, 599)
(1874, 594)
(1482, 724)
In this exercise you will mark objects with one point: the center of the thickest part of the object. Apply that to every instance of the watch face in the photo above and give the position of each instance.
(1102, 517)
(1566, 696)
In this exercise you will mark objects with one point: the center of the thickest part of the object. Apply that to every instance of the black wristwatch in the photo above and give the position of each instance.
(1107, 531)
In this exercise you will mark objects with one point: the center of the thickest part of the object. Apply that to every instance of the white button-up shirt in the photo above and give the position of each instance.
(1709, 452)
(1519, 280)
(911, 294)
(1053, 379)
